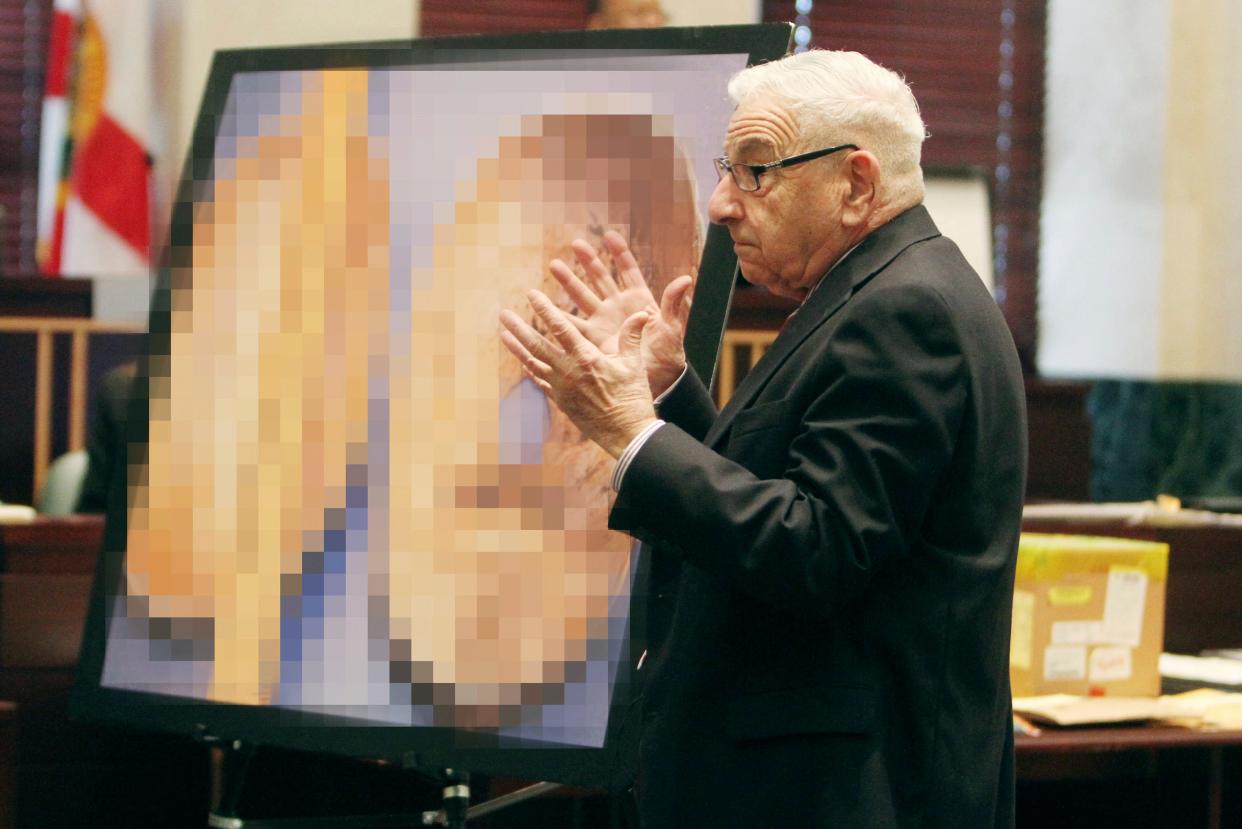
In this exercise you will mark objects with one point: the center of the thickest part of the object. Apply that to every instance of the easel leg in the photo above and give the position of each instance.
(456, 798)
(230, 762)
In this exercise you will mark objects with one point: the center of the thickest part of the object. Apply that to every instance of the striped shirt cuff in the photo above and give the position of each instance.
(623, 462)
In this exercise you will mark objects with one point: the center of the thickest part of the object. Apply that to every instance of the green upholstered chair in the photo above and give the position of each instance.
(63, 484)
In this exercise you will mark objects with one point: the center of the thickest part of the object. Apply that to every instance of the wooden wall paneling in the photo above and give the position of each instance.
(62, 392)
(43, 401)
(17, 403)
(1017, 207)
(34, 297)
(23, 42)
(977, 69)
(1059, 437)
(451, 17)
(29, 296)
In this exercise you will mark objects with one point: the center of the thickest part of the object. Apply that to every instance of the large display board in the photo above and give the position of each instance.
(349, 523)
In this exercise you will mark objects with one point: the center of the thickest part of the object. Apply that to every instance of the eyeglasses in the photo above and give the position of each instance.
(746, 176)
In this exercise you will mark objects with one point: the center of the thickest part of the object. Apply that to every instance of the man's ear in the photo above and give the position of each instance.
(863, 172)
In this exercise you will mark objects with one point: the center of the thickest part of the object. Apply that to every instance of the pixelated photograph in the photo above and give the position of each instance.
(350, 500)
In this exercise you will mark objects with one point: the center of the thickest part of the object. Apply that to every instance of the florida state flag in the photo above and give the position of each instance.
(95, 165)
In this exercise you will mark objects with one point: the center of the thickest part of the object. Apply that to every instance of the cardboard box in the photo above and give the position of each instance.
(1088, 616)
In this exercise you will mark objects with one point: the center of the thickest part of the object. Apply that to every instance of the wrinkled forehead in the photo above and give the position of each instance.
(761, 125)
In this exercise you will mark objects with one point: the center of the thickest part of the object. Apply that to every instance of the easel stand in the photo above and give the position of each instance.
(231, 762)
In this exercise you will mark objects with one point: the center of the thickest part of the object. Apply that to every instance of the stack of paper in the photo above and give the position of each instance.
(16, 514)
(1207, 670)
(1204, 708)
(1162, 513)
(1067, 709)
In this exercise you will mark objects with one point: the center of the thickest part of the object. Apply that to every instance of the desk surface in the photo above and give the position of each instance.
(52, 544)
(1122, 738)
(1157, 775)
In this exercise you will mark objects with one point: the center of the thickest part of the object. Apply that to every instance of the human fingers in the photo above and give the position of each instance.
(527, 345)
(631, 336)
(597, 273)
(675, 303)
(543, 385)
(532, 368)
(578, 291)
(527, 362)
(581, 324)
(629, 272)
(558, 324)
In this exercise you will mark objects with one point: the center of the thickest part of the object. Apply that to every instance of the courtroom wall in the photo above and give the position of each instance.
(1141, 255)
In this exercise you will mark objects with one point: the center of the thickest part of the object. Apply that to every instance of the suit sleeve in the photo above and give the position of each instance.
(689, 405)
(862, 450)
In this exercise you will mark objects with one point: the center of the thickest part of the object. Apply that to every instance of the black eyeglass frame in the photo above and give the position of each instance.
(724, 165)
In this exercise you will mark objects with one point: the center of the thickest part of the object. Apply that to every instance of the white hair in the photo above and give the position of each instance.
(845, 98)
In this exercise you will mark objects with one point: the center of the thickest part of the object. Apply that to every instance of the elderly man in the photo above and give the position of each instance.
(833, 552)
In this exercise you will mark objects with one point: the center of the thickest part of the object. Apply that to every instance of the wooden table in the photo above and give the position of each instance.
(1186, 778)
(52, 544)
(1143, 753)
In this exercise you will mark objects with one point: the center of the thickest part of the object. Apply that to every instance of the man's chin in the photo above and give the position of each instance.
(759, 280)
(773, 286)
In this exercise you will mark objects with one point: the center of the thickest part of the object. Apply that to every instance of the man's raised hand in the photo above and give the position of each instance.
(606, 302)
(605, 395)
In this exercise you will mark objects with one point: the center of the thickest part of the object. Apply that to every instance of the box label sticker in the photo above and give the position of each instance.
(1072, 633)
(1023, 630)
(1065, 662)
(1123, 606)
(1069, 594)
(1110, 664)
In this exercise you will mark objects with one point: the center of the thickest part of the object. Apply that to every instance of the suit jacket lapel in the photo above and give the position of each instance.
(869, 258)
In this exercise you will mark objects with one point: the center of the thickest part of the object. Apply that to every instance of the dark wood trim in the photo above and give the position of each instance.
(1121, 738)
(36, 296)
(1059, 432)
(754, 309)
(449, 17)
(52, 544)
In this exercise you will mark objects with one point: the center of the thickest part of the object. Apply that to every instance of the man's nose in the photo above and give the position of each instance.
(724, 207)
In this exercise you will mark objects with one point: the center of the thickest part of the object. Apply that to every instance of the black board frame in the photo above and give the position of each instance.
(428, 748)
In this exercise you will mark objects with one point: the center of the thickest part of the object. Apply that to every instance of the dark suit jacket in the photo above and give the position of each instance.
(107, 442)
(833, 561)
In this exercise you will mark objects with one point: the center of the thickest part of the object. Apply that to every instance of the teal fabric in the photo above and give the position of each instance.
(1182, 439)
(63, 484)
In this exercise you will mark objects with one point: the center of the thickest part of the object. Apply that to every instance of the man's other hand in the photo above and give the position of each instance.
(606, 302)
(605, 395)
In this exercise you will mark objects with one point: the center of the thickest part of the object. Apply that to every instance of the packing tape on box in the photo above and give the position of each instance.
(1046, 557)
